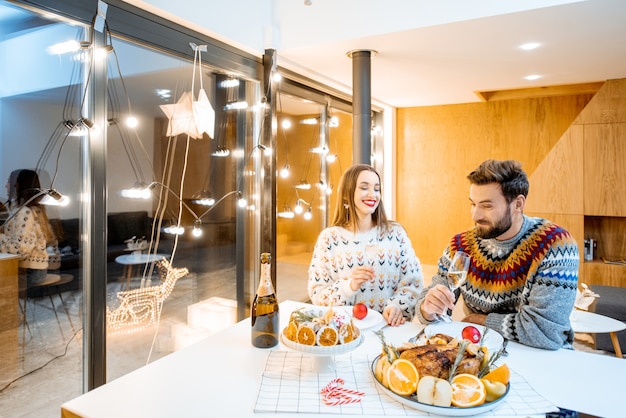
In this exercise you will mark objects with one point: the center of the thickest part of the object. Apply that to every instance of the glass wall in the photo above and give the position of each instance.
(179, 197)
(314, 147)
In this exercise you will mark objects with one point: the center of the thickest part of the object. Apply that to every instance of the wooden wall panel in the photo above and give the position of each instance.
(439, 145)
(556, 185)
(604, 186)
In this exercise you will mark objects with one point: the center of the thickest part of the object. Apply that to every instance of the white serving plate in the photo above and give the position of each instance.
(372, 319)
(448, 411)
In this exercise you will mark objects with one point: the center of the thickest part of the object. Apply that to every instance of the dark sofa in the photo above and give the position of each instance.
(218, 235)
(612, 303)
(120, 227)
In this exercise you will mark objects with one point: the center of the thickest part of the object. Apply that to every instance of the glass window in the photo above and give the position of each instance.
(314, 146)
(169, 197)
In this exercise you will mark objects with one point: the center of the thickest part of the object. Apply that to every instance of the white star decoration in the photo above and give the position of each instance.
(190, 117)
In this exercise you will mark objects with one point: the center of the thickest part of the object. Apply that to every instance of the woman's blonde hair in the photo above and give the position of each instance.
(345, 212)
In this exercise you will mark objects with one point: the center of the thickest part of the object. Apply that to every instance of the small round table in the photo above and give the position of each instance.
(593, 323)
(129, 261)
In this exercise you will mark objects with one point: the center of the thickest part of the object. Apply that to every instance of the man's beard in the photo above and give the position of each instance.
(503, 225)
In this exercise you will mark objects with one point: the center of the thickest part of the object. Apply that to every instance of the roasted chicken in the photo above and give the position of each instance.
(437, 359)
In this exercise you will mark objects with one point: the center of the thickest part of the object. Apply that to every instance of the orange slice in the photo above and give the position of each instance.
(291, 331)
(467, 391)
(500, 374)
(306, 335)
(402, 377)
(346, 333)
(327, 336)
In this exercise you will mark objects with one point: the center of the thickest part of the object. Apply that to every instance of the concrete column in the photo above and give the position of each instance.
(361, 106)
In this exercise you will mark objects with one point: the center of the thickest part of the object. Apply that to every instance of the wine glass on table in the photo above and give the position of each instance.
(457, 274)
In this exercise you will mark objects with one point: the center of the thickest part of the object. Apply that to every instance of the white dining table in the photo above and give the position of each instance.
(220, 376)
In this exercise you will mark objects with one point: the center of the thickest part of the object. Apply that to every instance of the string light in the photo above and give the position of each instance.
(197, 231)
(284, 172)
(140, 308)
(308, 215)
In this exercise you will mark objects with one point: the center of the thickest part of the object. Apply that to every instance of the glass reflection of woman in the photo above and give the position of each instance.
(341, 271)
(27, 231)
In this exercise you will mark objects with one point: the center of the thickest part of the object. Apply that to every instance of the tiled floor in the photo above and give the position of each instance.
(52, 348)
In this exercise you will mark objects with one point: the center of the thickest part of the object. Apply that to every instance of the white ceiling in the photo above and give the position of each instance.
(445, 57)
(429, 52)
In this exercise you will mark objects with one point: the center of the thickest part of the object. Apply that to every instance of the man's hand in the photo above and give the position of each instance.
(437, 302)
(476, 318)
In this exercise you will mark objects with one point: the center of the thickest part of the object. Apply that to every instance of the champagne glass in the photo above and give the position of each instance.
(371, 252)
(457, 274)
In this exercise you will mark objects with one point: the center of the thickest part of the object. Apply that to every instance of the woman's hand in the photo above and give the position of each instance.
(437, 301)
(360, 276)
(393, 316)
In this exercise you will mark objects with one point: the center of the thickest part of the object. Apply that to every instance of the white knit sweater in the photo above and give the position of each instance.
(398, 272)
(24, 236)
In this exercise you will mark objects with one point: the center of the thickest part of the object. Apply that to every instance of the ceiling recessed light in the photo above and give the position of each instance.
(532, 77)
(530, 45)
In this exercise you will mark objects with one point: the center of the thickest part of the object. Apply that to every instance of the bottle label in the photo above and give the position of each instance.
(265, 283)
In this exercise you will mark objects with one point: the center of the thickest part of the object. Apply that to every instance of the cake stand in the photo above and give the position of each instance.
(322, 358)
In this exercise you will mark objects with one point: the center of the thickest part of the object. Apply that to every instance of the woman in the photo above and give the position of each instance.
(27, 231)
(364, 257)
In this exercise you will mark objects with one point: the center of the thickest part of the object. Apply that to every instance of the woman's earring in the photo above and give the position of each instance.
(345, 206)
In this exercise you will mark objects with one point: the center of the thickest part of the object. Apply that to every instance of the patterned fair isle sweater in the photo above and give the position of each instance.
(398, 272)
(527, 285)
(24, 236)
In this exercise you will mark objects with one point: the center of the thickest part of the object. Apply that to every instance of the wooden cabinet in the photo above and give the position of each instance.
(604, 173)
(610, 236)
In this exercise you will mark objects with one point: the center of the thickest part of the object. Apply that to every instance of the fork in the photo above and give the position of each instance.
(413, 340)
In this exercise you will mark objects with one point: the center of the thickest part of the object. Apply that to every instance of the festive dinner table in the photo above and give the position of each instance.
(225, 376)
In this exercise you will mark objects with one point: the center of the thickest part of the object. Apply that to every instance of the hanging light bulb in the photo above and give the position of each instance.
(308, 215)
(284, 172)
(241, 201)
(331, 158)
(303, 185)
(197, 231)
(299, 209)
(221, 151)
(329, 190)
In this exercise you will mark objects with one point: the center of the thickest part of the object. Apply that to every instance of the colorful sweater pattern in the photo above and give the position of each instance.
(398, 272)
(526, 285)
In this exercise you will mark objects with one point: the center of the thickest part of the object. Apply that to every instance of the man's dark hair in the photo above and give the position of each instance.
(508, 173)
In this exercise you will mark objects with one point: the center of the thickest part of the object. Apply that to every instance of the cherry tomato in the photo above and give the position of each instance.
(359, 310)
(471, 333)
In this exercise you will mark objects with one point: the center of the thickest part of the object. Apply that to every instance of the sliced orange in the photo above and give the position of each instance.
(327, 336)
(467, 391)
(402, 377)
(346, 333)
(306, 335)
(500, 374)
(291, 331)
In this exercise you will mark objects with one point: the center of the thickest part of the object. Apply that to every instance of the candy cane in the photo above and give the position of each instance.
(333, 394)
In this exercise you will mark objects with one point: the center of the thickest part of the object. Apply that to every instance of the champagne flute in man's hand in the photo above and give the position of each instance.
(457, 274)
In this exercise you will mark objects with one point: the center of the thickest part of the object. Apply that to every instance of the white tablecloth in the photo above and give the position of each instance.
(220, 376)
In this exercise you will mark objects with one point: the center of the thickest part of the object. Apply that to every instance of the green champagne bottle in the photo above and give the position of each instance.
(264, 312)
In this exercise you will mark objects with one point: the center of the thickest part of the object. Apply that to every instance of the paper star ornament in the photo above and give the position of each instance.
(190, 117)
(204, 115)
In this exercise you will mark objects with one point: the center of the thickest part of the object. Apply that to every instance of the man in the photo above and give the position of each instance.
(523, 273)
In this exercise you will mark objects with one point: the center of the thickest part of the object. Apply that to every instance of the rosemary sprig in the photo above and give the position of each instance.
(389, 350)
(459, 357)
(492, 360)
